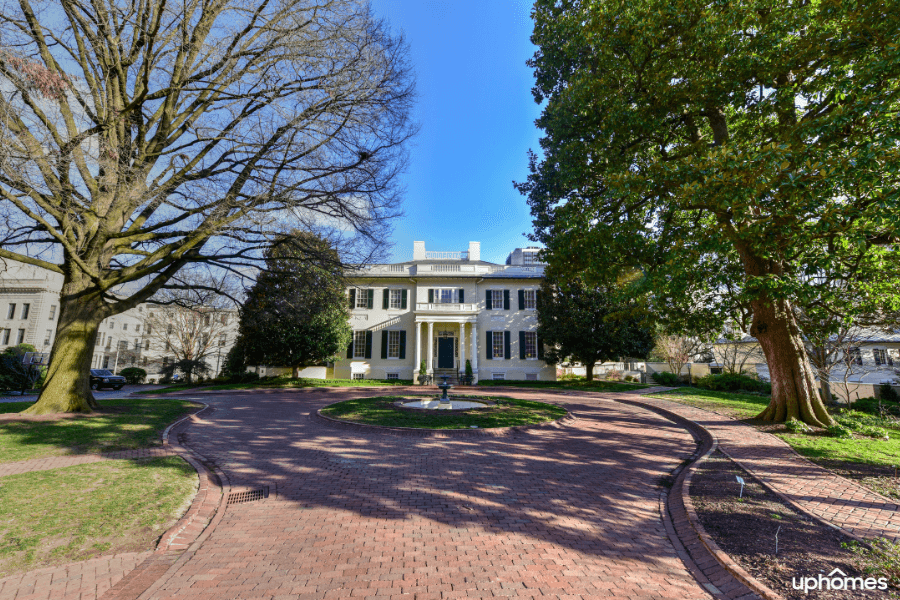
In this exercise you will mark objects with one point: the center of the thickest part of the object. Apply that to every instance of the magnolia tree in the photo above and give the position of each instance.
(742, 144)
(141, 139)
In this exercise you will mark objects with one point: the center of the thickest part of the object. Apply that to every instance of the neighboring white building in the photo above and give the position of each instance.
(29, 311)
(446, 308)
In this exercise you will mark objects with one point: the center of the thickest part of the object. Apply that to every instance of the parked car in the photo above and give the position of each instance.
(102, 378)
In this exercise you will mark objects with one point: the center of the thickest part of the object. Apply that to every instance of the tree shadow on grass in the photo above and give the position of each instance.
(121, 424)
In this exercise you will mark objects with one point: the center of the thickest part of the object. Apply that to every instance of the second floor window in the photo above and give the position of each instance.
(26, 308)
(496, 299)
(362, 299)
(124, 326)
(52, 312)
(396, 298)
(11, 313)
(855, 356)
(529, 299)
(882, 357)
(6, 333)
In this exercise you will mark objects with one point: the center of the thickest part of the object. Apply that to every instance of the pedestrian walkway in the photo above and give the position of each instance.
(70, 460)
(816, 490)
(85, 580)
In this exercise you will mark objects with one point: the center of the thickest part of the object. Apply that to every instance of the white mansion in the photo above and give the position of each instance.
(446, 308)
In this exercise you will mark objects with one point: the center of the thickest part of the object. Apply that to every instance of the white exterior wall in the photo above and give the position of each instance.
(425, 322)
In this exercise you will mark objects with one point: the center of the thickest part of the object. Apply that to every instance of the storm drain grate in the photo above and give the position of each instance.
(250, 496)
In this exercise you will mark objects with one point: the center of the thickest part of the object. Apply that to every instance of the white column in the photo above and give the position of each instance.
(430, 342)
(462, 348)
(474, 335)
(418, 336)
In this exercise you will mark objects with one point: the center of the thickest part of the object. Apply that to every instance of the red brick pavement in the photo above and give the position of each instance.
(815, 490)
(83, 580)
(548, 513)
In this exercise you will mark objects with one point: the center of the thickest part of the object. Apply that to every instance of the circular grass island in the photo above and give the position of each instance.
(383, 411)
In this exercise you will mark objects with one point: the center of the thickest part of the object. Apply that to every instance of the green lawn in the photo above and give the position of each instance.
(814, 445)
(381, 411)
(598, 385)
(53, 517)
(285, 382)
(121, 424)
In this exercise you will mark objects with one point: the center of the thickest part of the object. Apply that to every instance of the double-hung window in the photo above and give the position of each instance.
(497, 344)
(396, 298)
(359, 344)
(882, 357)
(52, 312)
(362, 299)
(26, 308)
(530, 344)
(393, 344)
(496, 299)
(529, 299)
(11, 313)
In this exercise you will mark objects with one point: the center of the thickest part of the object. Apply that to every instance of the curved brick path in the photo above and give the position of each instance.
(552, 513)
(816, 490)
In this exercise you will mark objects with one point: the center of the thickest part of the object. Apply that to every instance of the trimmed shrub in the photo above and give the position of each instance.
(133, 375)
(888, 393)
(734, 382)
(666, 378)
(614, 375)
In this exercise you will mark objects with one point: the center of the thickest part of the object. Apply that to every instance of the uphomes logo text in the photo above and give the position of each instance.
(838, 580)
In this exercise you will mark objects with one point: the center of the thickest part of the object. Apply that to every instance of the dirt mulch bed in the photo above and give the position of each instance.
(745, 529)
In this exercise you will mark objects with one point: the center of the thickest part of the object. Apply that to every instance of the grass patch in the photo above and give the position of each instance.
(121, 424)
(284, 382)
(733, 404)
(506, 413)
(53, 517)
(14, 407)
(863, 446)
(576, 384)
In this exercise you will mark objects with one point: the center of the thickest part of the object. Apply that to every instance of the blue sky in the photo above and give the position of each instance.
(477, 116)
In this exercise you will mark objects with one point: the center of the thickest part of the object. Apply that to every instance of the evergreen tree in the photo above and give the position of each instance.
(296, 313)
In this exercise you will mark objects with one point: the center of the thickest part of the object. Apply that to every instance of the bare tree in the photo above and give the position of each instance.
(187, 335)
(733, 353)
(678, 350)
(169, 135)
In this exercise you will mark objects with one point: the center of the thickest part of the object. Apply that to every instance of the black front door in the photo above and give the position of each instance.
(445, 353)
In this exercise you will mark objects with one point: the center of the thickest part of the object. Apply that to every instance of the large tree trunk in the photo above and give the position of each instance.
(589, 370)
(67, 388)
(794, 388)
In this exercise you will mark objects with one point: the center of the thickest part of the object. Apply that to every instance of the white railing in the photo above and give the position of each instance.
(445, 268)
(438, 307)
(397, 268)
(463, 255)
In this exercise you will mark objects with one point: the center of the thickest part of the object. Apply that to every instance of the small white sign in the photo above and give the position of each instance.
(740, 480)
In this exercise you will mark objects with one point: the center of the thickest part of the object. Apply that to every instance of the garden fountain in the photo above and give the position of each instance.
(444, 402)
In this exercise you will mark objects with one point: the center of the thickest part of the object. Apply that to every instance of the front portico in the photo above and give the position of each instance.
(449, 334)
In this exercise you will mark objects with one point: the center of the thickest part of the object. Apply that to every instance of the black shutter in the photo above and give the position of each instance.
(352, 298)
(384, 343)
(462, 296)
(489, 349)
(402, 343)
(403, 300)
(487, 300)
(430, 296)
(521, 299)
(505, 299)
(537, 297)
(506, 345)
(521, 339)
(540, 347)
(350, 347)
(386, 299)
(371, 299)
(369, 341)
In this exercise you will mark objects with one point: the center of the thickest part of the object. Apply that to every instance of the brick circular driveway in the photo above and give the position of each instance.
(572, 512)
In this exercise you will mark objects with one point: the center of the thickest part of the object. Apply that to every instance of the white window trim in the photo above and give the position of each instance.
(494, 304)
(393, 333)
(502, 355)
(359, 350)
(399, 294)
(528, 333)
(533, 294)
(362, 295)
